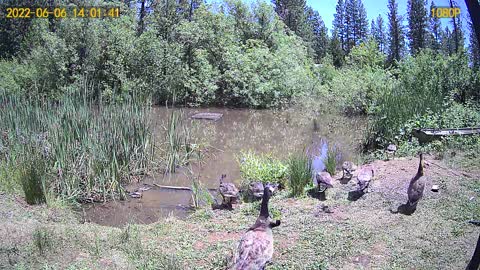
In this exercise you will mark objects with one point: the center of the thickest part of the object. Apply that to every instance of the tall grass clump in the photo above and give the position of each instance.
(331, 160)
(31, 174)
(88, 150)
(300, 173)
(178, 142)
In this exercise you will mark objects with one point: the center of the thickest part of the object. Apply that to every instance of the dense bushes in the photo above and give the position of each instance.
(429, 86)
(226, 54)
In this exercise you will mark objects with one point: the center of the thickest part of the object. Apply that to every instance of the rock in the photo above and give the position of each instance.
(435, 188)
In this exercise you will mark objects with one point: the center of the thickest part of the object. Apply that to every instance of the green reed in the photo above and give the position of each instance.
(178, 142)
(300, 173)
(88, 150)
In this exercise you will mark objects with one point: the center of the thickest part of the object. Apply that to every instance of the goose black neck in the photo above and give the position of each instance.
(264, 208)
(420, 166)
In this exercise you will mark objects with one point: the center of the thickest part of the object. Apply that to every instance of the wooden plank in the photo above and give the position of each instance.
(207, 116)
(179, 187)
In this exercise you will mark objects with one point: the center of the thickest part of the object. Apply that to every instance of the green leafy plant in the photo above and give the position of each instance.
(264, 168)
(42, 239)
(331, 160)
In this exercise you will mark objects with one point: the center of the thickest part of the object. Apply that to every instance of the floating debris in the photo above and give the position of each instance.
(207, 116)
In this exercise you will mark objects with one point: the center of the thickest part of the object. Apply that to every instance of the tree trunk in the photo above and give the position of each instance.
(474, 9)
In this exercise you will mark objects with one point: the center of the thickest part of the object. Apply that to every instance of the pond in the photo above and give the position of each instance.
(263, 131)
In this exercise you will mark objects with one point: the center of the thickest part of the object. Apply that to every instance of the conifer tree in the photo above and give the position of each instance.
(417, 25)
(396, 36)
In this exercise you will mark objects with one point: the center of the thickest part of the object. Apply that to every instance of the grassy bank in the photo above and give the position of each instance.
(359, 234)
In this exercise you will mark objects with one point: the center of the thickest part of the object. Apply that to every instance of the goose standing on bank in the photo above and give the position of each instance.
(416, 187)
(365, 175)
(228, 191)
(255, 249)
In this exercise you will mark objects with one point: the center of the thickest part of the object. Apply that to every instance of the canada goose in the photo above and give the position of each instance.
(228, 191)
(416, 187)
(348, 168)
(475, 261)
(324, 181)
(391, 150)
(255, 248)
(255, 190)
(364, 176)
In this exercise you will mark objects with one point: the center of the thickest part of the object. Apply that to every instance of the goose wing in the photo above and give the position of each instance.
(254, 250)
(415, 190)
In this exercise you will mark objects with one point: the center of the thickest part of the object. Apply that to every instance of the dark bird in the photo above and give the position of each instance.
(416, 187)
(324, 181)
(255, 249)
(255, 190)
(228, 191)
(475, 261)
(365, 175)
(348, 168)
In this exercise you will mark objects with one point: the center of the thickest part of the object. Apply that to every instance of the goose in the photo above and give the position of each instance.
(475, 261)
(416, 187)
(391, 150)
(324, 181)
(228, 191)
(255, 248)
(348, 169)
(365, 175)
(255, 190)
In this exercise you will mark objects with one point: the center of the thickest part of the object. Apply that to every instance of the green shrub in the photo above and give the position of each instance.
(264, 168)
(299, 173)
(427, 86)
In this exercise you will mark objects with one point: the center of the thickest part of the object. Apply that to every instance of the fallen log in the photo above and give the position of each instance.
(179, 187)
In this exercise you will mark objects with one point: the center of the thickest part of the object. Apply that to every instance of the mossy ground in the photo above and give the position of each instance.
(361, 234)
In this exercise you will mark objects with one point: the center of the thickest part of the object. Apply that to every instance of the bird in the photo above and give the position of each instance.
(475, 261)
(348, 169)
(416, 187)
(324, 181)
(255, 190)
(391, 150)
(365, 175)
(228, 191)
(255, 248)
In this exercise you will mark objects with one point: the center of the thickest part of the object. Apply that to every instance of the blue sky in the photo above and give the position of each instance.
(326, 8)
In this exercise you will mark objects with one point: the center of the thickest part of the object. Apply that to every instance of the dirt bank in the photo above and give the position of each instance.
(361, 234)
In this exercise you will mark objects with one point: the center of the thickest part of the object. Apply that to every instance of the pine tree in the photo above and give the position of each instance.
(474, 47)
(319, 41)
(336, 50)
(457, 33)
(448, 44)
(378, 33)
(417, 24)
(292, 13)
(339, 23)
(396, 36)
(435, 31)
(355, 23)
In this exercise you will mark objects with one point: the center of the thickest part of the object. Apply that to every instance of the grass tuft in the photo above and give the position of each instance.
(300, 173)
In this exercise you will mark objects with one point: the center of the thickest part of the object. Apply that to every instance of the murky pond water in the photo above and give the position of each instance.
(263, 131)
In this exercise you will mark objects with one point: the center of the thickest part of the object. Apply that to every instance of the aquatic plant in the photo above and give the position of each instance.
(261, 167)
(179, 147)
(299, 173)
(200, 194)
(31, 174)
(331, 160)
(87, 150)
